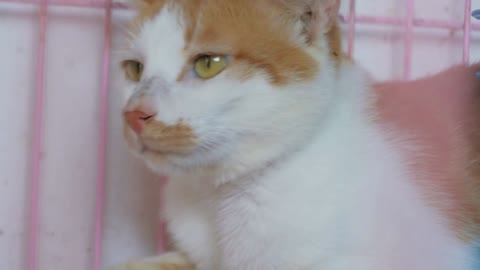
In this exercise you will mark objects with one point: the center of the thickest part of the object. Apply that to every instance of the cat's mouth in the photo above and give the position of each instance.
(199, 147)
(160, 138)
(178, 145)
(145, 149)
(173, 146)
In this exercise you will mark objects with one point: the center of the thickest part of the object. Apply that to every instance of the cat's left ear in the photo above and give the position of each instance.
(312, 17)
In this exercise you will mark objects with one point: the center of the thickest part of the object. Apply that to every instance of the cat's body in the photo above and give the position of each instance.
(344, 200)
(278, 161)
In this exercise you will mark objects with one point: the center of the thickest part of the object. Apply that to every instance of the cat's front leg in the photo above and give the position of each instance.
(167, 261)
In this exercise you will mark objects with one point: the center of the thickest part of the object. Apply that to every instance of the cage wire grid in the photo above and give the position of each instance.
(351, 19)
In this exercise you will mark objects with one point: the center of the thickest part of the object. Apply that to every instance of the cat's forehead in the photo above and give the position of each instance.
(250, 31)
(205, 22)
(161, 38)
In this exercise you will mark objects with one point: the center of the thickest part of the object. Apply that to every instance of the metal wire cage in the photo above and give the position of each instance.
(407, 23)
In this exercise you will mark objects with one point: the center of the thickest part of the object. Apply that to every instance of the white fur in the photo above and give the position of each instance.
(299, 177)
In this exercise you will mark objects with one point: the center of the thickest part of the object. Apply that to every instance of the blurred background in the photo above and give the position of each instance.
(75, 39)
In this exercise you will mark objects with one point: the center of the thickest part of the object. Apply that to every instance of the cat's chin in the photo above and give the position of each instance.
(159, 163)
(168, 163)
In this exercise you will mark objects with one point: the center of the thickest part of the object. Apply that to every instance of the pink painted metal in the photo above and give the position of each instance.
(359, 19)
(161, 238)
(102, 144)
(380, 20)
(466, 31)
(409, 22)
(32, 245)
(407, 61)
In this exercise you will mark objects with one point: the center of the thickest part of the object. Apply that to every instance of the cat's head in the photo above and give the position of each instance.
(215, 81)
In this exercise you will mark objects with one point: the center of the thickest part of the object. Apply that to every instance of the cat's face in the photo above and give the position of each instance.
(207, 78)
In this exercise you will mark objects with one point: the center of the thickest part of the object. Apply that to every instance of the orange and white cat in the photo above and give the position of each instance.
(275, 156)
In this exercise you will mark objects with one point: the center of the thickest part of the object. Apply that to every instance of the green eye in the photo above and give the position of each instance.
(208, 66)
(133, 70)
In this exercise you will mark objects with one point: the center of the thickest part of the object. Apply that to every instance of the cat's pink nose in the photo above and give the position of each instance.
(136, 119)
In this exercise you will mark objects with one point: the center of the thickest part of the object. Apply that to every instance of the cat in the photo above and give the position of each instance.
(273, 147)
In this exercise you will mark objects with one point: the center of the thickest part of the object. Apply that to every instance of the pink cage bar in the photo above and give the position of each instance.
(409, 22)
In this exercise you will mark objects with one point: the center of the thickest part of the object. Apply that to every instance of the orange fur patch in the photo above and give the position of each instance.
(269, 47)
(177, 139)
(146, 9)
(334, 37)
(169, 261)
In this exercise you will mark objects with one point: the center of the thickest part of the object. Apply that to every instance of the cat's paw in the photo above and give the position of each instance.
(168, 261)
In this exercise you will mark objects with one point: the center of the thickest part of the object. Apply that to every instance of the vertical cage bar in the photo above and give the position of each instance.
(102, 139)
(32, 245)
(407, 62)
(161, 241)
(351, 27)
(466, 31)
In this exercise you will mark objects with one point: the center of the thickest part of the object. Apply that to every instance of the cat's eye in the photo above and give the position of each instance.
(208, 66)
(133, 70)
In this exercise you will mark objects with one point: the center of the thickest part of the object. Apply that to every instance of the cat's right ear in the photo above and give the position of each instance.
(313, 17)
